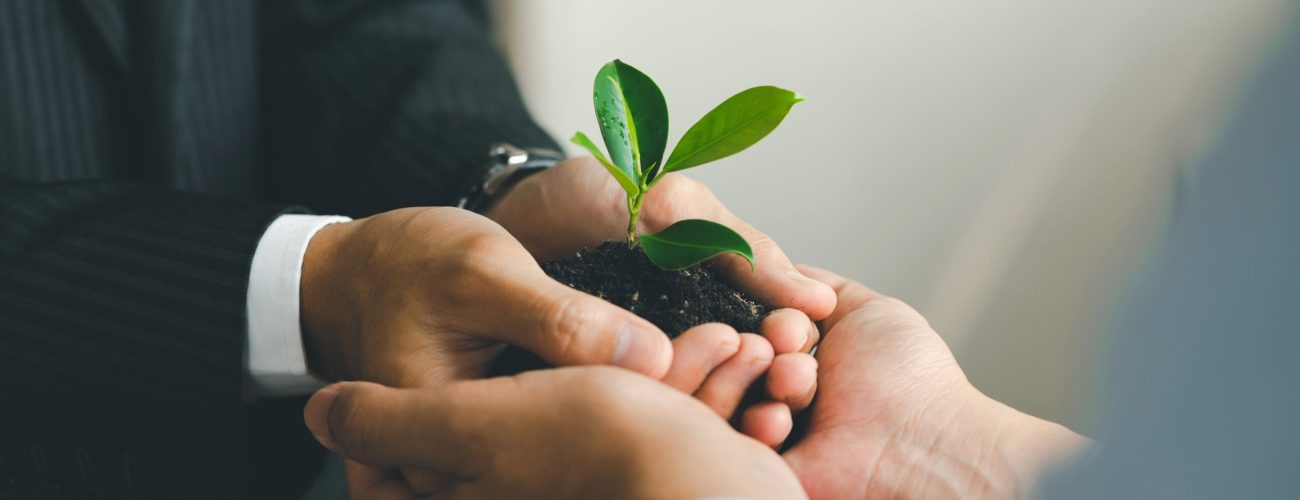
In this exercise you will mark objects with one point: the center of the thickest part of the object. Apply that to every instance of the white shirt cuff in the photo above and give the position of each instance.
(275, 363)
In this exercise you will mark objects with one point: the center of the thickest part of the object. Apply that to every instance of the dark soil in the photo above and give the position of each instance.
(673, 300)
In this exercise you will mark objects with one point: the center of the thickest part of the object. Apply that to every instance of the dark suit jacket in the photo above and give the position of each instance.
(144, 147)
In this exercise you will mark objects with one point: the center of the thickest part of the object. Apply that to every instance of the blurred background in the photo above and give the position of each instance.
(1004, 166)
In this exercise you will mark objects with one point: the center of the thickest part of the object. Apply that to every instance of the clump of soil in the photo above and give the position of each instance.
(673, 300)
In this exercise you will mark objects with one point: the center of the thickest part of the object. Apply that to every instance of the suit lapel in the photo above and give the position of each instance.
(108, 27)
(166, 34)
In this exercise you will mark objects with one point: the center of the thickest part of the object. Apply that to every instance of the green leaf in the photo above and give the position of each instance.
(736, 124)
(628, 184)
(649, 115)
(691, 241)
(616, 125)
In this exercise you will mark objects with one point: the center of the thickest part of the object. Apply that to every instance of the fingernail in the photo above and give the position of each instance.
(638, 349)
(317, 412)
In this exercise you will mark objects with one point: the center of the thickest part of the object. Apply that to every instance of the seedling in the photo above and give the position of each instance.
(633, 119)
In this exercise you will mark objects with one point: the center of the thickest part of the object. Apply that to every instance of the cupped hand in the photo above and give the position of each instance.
(712, 362)
(577, 204)
(896, 417)
(422, 296)
(720, 367)
(589, 432)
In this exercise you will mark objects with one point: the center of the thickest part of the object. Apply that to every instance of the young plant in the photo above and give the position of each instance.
(633, 119)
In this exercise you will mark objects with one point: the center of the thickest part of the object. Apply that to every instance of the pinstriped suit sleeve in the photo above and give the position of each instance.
(122, 318)
(385, 104)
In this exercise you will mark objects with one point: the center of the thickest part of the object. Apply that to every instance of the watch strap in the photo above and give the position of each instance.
(507, 165)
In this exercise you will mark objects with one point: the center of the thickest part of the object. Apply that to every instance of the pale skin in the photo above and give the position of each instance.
(425, 297)
(895, 417)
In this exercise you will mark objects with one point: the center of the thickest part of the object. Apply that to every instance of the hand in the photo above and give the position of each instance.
(591, 432)
(543, 211)
(577, 204)
(421, 296)
(896, 417)
(719, 366)
(710, 361)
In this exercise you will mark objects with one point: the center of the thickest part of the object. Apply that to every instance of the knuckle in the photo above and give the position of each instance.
(489, 246)
(416, 220)
(728, 343)
(678, 197)
(480, 253)
(568, 326)
(760, 242)
(675, 185)
(723, 337)
(680, 187)
(764, 248)
(755, 349)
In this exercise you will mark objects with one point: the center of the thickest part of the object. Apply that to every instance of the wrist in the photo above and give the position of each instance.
(323, 316)
(1008, 449)
(971, 446)
(1031, 446)
(491, 206)
(507, 165)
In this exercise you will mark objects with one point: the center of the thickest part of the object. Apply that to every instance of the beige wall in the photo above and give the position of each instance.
(999, 164)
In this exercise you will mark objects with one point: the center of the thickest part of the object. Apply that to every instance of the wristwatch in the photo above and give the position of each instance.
(507, 165)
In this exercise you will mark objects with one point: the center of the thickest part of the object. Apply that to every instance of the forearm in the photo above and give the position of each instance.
(386, 105)
(122, 325)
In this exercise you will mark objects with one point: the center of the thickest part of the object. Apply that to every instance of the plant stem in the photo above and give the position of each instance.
(634, 211)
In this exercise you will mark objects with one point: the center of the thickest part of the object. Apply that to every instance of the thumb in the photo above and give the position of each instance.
(435, 429)
(850, 295)
(773, 279)
(567, 328)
